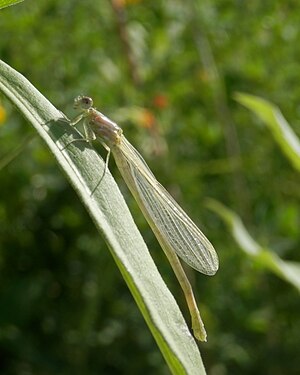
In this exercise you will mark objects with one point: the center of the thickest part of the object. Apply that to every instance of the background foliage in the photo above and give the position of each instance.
(167, 72)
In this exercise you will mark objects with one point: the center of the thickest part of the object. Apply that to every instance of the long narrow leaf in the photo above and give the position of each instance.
(7, 3)
(280, 129)
(289, 271)
(106, 206)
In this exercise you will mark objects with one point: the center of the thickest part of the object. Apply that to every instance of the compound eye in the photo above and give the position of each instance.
(84, 102)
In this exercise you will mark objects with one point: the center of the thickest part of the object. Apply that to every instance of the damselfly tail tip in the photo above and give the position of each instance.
(199, 331)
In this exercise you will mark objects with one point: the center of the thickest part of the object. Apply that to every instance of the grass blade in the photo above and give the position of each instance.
(83, 166)
(280, 129)
(7, 3)
(263, 257)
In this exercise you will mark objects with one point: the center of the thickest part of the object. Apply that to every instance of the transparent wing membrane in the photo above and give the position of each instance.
(176, 228)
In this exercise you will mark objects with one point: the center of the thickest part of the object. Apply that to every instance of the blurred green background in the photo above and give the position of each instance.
(167, 72)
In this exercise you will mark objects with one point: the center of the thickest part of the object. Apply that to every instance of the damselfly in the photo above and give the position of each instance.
(174, 230)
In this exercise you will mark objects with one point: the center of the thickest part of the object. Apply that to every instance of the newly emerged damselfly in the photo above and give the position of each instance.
(174, 230)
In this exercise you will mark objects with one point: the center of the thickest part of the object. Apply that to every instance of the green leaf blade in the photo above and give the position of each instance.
(279, 127)
(7, 3)
(108, 210)
(264, 258)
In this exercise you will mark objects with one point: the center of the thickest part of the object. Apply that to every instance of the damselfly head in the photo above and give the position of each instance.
(83, 102)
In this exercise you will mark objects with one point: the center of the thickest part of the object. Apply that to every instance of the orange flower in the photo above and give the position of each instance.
(2, 114)
(147, 118)
(122, 3)
(160, 101)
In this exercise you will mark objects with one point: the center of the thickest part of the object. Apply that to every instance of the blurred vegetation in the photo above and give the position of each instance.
(167, 71)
